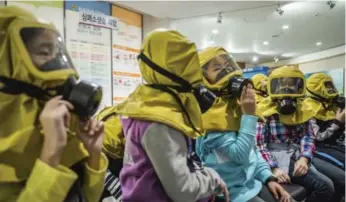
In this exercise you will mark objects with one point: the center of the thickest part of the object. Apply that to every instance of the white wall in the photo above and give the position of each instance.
(150, 23)
(2, 2)
(335, 62)
(329, 53)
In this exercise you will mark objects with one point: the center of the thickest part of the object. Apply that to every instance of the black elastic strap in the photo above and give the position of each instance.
(176, 97)
(318, 98)
(16, 87)
(164, 72)
(262, 92)
(105, 118)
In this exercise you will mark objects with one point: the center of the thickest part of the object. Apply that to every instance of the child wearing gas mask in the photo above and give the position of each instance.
(46, 154)
(286, 137)
(229, 145)
(160, 118)
(329, 125)
(260, 86)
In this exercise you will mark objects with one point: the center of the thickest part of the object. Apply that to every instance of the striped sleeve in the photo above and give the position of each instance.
(262, 136)
(307, 143)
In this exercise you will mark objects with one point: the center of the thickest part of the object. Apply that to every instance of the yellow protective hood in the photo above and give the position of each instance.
(225, 114)
(286, 72)
(321, 113)
(174, 53)
(20, 137)
(315, 85)
(303, 113)
(208, 54)
(257, 82)
(269, 106)
(114, 140)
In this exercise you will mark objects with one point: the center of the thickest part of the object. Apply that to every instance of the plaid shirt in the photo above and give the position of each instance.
(272, 130)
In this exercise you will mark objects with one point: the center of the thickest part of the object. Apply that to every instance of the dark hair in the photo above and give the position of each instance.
(28, 34)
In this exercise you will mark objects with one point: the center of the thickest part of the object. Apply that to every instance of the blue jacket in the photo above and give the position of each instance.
(236, 158)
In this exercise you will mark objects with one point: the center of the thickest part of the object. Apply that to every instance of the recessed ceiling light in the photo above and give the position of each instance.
(266, 43)
(285, 26)
(211, 42)
(254, 58)
(318, 43)
(215, 31)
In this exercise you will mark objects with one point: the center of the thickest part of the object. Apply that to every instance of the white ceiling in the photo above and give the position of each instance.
(249, 24)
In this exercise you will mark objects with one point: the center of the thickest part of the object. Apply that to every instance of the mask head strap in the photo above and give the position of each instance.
(263, 93)
(164, 72)
(16, 87)
(176, 97)
(318, 98)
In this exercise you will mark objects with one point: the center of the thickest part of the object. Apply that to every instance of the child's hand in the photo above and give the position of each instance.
(279, 192)
(340, 115)
(91, 134)
(54, 119)
(247, 100)
(223, 190)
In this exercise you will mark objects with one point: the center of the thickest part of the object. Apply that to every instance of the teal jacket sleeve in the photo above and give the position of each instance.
(263, 171)
(238, 146)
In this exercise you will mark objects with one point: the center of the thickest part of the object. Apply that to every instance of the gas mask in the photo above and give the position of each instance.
(204, 97)
(47, 59)
(285, 90)
(234, 88)
(340, 102)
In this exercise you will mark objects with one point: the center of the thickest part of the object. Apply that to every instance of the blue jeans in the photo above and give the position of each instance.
(319, 187)
(336, 174)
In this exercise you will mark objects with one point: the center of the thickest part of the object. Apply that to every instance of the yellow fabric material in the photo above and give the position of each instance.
(284, 72)
(316, 84)
(269, 106)
(114, 140)
(224, 115)
(303, 112)
(257, 82)
(49, 184)
(321, 113)
(20, 137)
(173, 52)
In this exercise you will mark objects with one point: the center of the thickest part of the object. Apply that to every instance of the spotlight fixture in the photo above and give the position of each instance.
(331, 4)
(255, 58)
(219, 19)
(318, 43)
(279, 10)
(266, 43)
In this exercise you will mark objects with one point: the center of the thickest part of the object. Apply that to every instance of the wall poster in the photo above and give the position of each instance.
(88, 40)
(126, 45)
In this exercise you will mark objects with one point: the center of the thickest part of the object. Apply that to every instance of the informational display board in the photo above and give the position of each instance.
(88, 40)
(338, 77)
(50, 11)
(126, 45)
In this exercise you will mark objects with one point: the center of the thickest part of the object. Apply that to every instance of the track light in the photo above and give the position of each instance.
(219, 19)
(331, 4)
(279, 10)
